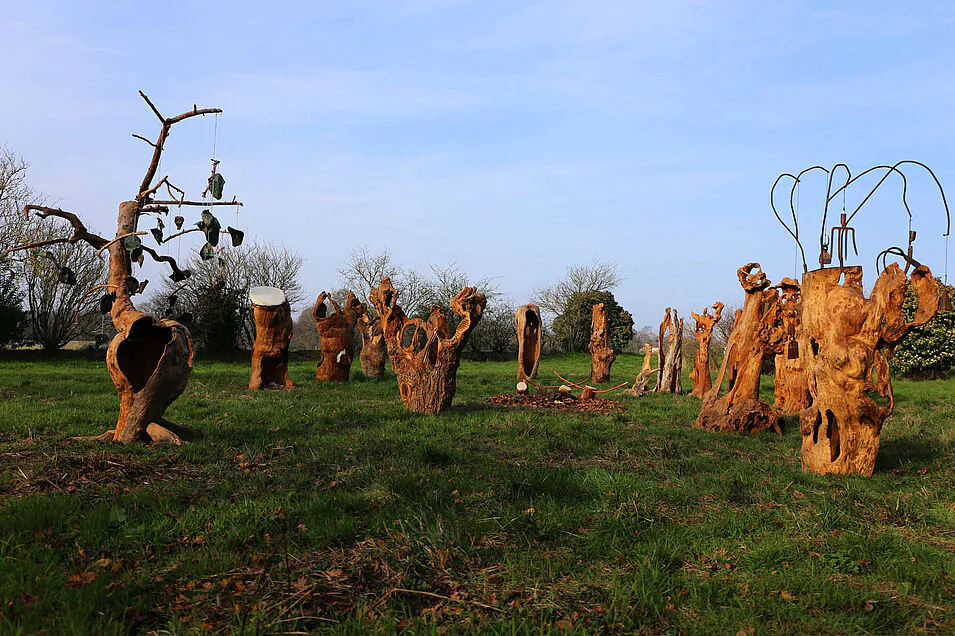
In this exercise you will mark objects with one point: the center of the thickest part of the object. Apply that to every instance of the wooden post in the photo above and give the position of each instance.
(273, 331)
(601, 350)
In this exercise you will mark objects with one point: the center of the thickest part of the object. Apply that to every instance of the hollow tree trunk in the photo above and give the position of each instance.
(700, 375)
(426, 375)
(757, 333)
(273, 331)
(643, 378)
(374, 352)
(846, 340)
(671, 356)
(791, 387)
(601, 350)
(149, 360)
(527, 320)
(335, 333)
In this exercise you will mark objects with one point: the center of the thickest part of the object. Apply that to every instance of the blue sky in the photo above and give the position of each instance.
(513, 138)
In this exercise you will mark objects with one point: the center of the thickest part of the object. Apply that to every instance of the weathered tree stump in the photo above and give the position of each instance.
(335, 335)
(846, 341)
(374, 352)
(671, 354)
(601, 350)
(426, 375)
(527, 320)
(791, 394)
(639, 387)
(700, 376)
(273, 331)
(757, 333)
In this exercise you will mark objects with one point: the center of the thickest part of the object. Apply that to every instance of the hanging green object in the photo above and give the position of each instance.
(207, 252)
(237, 236)
(66, 276)
(179, 220)
(131, 242)
(218, 183)
(211, 227)
(180, 275)
(132, 284)
(157, 234)
(137, 255)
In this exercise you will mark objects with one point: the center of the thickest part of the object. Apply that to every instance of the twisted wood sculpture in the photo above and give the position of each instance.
(373, 350)
(671, 354)
(273, 332)
(601, 350)
(846, 341)
(757, 333)
(700, 376)
(426, 375)
(791, 386)
(335, 335)
(639, 387)
(527, 320)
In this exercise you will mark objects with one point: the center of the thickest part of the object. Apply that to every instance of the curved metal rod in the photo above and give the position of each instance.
(794, 231)
(894, 251)
(829, 197)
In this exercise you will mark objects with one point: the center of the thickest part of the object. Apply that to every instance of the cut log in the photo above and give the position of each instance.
(374, 352)
(522, 388)
(757, 333)
(791, 387)
(846, 341)
(273, 331)
(527, 320)
(601, 350)
(426, 374)
(700, 376)
(335, 337)
(671, 356)
(639, 387)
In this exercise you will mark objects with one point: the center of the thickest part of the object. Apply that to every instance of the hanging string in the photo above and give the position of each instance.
(796, 251)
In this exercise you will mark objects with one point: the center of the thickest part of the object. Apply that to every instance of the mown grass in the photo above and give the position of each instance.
(332, 508)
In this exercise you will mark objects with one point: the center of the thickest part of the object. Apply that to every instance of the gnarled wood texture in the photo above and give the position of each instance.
(273, 331)
(426, 375)
(601, 350)
(527, 320)
(791, 394)
(373, 349)
(846, 340)
(757, 333)
(671, 354)
(646, 371)
(700, 376)
(335, 335)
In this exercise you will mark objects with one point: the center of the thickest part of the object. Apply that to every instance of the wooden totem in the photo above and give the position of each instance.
(373, 349)
(601, 350)
(527, 320)
(671, 354)
(646, 371)
(426, 374)
(791, 386)
(273, 331)
(846, 340)
(757, 333)
(700, 376)
(335, 335)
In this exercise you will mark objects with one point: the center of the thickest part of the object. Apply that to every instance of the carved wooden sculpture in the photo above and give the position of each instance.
(846, 340)
(149, 359)
(335, 333)
(671, 354)
(273, 331)
(426, 375)
(700, 375)
(643, 378)
(791, 386)
(527, 320)
(373, 349)
(601, 350)
(757, 333)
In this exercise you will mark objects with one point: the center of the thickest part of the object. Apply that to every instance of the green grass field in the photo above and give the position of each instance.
(331, 508)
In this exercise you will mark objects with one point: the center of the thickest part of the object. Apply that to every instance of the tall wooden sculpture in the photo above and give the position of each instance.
(846, 339)
(335, 334)
(791, 386)
(601, 350)
(671, 354)
(757, 333)
(646, 371)
(149, 359)
(273, 331)
(426, 375)
(527, 320)
(700, 375)
(373, 349)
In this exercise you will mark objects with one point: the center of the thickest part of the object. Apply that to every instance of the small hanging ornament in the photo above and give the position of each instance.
(179, 220)
(218, 183)
(793, 350)
(945, 303)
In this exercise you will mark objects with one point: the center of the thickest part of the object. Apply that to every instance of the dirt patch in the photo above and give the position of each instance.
(558, 402)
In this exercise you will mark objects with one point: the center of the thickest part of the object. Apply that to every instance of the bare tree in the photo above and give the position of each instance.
(365, 269)
(15, 192)
(596, 277)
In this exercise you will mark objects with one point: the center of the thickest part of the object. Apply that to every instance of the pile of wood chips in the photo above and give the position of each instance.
(556, 400)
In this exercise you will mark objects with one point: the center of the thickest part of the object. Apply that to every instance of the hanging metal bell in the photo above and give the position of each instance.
(793, 350)
(945, 303)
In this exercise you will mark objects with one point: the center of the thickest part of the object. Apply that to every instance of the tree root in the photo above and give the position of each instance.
(166, 433)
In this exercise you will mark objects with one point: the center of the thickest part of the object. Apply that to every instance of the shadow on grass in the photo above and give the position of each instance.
(895, 453)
